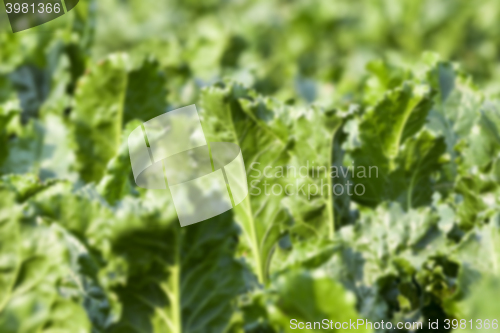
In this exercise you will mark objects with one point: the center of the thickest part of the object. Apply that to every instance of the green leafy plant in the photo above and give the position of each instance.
(323, 89)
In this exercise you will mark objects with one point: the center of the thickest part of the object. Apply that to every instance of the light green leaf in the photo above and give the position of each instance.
(43, 272)
(9, 245)
(263, 129)
(260, 130)
(309, 298)
(98, 115)
(117, 182)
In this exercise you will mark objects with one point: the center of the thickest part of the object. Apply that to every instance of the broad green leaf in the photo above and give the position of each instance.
(383, 131)
(261, 133)
(136, 94)
(168, 278)
(98, 115)
(274, 160)
(56, 275)
(44, 271)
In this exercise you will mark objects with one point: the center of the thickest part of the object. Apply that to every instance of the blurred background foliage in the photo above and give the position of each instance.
(408, 86)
